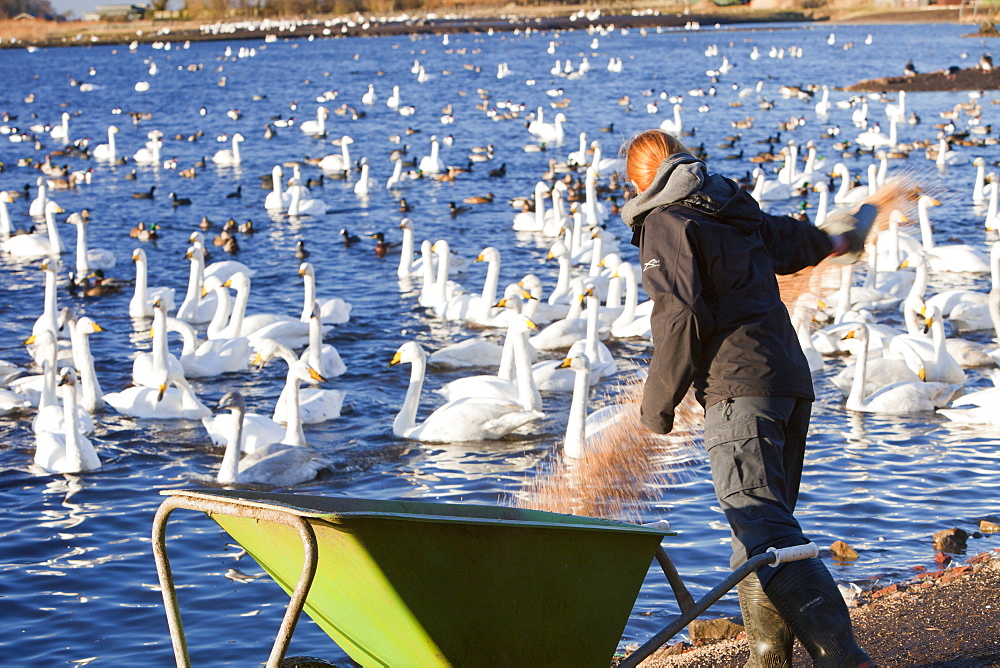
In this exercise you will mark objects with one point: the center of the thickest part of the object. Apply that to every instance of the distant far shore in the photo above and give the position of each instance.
(41, 33)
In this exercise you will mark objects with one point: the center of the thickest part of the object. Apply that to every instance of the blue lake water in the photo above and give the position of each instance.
(79, 582)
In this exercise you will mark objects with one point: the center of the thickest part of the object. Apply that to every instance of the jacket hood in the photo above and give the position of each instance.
(683, 178)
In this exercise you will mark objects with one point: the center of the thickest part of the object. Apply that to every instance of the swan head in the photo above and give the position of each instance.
(67, 376)
(409, 352)
(488, 254)
(138, 255)
(440, 247)
(86, 325)
(239, 281)
(406, 224)
(577, 362)
(927, 201)
(233, 401)
(531, 283)
(558, 250)
(237, 137)
(306, 269)
(52, 208)
(268, 349)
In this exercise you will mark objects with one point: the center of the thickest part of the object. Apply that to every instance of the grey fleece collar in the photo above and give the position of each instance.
(678, 176)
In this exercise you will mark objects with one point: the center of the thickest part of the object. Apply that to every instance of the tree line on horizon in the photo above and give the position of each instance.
(40, 8)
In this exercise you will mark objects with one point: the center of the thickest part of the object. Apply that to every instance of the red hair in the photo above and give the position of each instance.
(643, 154)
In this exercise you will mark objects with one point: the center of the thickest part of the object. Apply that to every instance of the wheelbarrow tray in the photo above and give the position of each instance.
(406, 583)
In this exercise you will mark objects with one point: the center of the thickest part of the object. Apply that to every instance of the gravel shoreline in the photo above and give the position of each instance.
(949, 617)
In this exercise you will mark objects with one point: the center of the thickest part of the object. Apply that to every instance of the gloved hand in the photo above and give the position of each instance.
(854, 226)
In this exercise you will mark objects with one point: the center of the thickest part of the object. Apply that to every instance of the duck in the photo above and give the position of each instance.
(897, 398)
(466, 419)
(64, 449)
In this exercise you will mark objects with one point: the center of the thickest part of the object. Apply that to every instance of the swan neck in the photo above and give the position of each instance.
(405, 253)
(229, 471)
(576, 434)
(293, 429)
(856, 397)
(309, 299)
(406, 419)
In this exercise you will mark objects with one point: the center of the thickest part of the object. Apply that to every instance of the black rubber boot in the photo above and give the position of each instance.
(807, 598)
(769, 637)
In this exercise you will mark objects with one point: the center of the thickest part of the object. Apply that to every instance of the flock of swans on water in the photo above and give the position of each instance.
(595, 296)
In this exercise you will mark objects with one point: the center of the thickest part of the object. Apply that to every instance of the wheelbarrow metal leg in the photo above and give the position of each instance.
(310, 560)
(681, 593)
(772, 556)
(167, 582)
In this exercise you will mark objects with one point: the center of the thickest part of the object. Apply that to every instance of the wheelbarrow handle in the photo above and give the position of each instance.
(794, 553)
(773, 556)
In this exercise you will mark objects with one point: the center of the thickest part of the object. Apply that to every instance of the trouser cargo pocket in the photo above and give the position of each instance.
(735, 453)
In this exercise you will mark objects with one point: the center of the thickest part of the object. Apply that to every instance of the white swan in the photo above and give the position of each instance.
(148, 368)
(932, 354)
(36, 244)
(229, 157)
(272, 464)
(847, 193)
(107, 152)
(550, 132)
(949, 257)
(673, 125)
(432, 164)
(332, 311)
(210, 358)
(61, 131)
(551, 376)
(296, 406)
(88, 259)
(468, 419)
(241, 324)
(897, 398)
(150, 153)
(316, 128)
(338, 164)
(630, 324)
(769, 191)
(66, 450)
(533, 221)
(322, 357)
(91, 397)
(477, 309)
(141, 304)
(521, 388)
(277, 199)
(172, 399)
(299, 205)
(195, 308)
(365, 183)
(50, 412)
(947, 157)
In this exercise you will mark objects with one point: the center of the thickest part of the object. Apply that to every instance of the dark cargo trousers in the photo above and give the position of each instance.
(756, 446)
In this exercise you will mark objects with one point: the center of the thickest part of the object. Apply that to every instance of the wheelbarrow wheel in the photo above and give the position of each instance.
(305, 662)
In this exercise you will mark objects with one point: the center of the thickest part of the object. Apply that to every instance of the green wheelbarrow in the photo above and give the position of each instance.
(405, 583)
